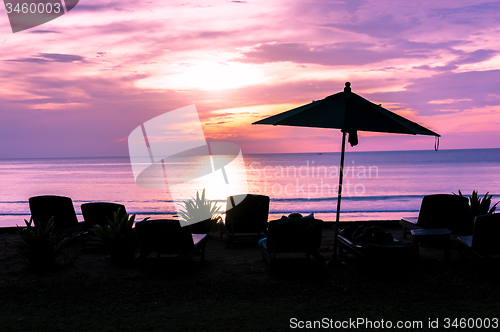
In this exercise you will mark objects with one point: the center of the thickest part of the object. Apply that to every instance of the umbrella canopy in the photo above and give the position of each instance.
(350, 113)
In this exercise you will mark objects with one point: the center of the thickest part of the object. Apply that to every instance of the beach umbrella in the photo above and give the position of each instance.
(350, 113)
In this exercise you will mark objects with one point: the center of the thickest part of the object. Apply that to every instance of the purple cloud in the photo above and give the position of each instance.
(471, 14)
(476, 56)
(385, 26)
(332, 54)
(42, 101)
(466, 90)
(50, 57)
(43, 31)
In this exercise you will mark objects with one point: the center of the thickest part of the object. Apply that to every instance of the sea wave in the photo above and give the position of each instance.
(284, 199)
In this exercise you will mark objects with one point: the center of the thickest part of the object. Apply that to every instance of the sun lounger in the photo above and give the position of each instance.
(292, 235)
(485, 240)
(61, 208)
(440, 211)
(246, 219)
(376, 251)
(168, 237)
(97, 213)
(381, 246)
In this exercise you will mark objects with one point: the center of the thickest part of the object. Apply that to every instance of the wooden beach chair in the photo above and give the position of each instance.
(485, 239)
(440, 211)
(246, 217)
(292, 235)
(168, 237)
(61, 208)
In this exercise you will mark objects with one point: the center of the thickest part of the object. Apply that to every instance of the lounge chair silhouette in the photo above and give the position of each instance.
(440, 211)
(168, 237)
(247, 219)
(97, 213)
(292, 235)
(485, 239)
(371, 242)
(61, 208)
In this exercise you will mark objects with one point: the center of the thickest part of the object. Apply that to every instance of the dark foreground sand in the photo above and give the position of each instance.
(232, 291)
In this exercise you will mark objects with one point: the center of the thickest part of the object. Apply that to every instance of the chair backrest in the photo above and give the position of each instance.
(249, 216)
(97, 212)
(444, 211)
(61, 208)
(163, 235)
(486, 237)
(294, 235)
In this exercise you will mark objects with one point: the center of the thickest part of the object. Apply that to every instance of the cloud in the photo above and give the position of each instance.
(99, 6)
(470, 14)
(42, 101)
(362, 53)
(385, 26)
(476, 56)
(43, 31)
(461, 91)
(51, 57)
(463, 58)
(332, 54)
(216, 123)
(91, 123)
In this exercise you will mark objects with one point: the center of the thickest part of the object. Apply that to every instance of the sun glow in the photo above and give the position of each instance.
(222, 182)
(205, 76)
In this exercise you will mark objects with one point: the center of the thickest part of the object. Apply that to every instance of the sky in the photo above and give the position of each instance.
(77, 86)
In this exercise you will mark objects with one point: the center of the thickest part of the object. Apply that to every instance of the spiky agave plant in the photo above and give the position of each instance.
(200, 213)
(119, 236)
(41, 245)
(478, 205)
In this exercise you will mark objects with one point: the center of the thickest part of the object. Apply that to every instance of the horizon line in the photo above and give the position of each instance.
(254, 154)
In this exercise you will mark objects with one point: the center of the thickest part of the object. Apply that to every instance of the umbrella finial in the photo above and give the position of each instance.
(347, 87)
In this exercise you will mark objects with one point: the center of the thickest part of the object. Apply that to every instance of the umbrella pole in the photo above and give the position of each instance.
(339, 197)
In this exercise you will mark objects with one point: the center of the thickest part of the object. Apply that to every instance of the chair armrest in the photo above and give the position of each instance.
(408, 220)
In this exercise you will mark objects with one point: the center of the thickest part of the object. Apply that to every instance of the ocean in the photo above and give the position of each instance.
(377, 185)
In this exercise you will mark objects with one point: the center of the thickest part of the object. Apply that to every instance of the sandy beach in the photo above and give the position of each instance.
(232, 290)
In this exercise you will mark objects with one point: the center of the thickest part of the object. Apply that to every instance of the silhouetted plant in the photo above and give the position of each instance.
(119, 236)
(42, 245)
(478, 205)
(200, 213)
